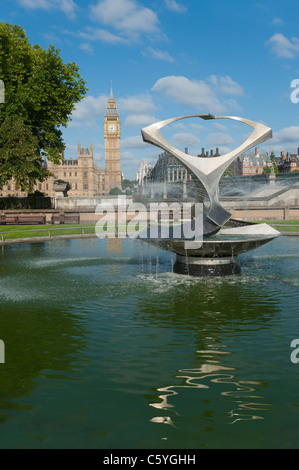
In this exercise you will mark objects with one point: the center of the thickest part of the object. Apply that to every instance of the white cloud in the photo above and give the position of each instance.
(127, 156)
(185, 139)
(213, 79)
(127, 16)
(139, 104)
(219, 126)
(229, 87)
(188, 92)
(66, 6)
(51, 37)
(179, 126)
(232, 104)
(90, 108)
(286, 135)
(98, 156)
(97, 34)
(195, 93)
(281, 46)
(158, 54)
(74, 124)
(131, 164)
(226, 85)
(71, 148)
(133, 142)
(98, 145)
(219, 139)
(175, 6)
(277, 21)
(197, 127)
(140, 120)
(87, 47)
(224, 150)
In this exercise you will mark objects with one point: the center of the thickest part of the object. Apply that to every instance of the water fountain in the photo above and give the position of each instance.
(219, 238)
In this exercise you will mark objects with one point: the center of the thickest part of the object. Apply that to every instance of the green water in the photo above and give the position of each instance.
(106, 348)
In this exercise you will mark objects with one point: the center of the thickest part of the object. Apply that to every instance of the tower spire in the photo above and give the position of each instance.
(111, 103)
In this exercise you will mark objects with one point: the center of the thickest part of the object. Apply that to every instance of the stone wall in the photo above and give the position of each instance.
(91, 202)
(266, 213)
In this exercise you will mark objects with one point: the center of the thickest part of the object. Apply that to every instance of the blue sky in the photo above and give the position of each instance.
(170, 58)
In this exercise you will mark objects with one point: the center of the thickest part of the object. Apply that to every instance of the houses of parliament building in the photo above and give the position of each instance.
(82, 173)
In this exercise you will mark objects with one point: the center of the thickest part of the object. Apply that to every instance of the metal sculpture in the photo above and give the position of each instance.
(207, 172)
(223, 238)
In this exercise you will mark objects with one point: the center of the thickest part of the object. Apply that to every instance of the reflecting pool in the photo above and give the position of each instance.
(106, 348)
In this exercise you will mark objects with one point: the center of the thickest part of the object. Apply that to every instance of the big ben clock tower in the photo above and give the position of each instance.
(112, 146)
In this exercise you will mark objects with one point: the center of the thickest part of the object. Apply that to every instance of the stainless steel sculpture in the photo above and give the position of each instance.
(207, 172)
(218, 253)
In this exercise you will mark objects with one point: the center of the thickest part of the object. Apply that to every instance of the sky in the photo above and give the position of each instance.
(169, 58)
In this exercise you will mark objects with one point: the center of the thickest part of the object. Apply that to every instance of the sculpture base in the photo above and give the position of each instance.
(206, 267)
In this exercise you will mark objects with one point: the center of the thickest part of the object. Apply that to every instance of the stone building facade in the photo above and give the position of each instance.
(85, 178)
(250, 164)
(81, 173)
(168, 169)
(144, 172)
(287, 162)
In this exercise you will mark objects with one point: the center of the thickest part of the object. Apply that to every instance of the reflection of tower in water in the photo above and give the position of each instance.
(114, 245)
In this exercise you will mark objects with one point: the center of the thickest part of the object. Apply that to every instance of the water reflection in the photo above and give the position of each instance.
(114, 245)
(105, 346)
(248, 403)
(38, 345)
(220, 322)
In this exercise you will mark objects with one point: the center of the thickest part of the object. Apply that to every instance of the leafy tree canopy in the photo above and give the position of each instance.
(115, 191)
(40, 92)
(19, 154)
(267, 169)
(127, 184)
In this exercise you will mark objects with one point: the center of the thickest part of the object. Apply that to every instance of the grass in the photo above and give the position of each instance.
(9, 232)
(282, 225)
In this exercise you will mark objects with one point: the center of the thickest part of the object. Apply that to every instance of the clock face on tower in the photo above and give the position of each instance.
(111, 128)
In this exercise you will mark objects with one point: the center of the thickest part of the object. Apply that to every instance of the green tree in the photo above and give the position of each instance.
(127, 186)
(268, 169)
(115, 191)
(19, 154)
(40, 89)
(127, 183)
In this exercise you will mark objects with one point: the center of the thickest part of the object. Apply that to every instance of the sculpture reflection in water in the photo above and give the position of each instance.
(222, 238)
(211, 328)
(243, 395)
